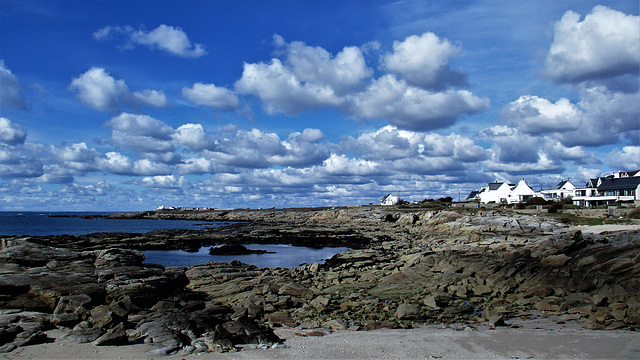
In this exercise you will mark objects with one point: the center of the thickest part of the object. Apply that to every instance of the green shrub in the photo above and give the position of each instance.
(537, 201)
(634, 214)
(555, 207)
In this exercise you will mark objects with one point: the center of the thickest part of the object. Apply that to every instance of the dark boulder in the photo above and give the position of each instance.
(233, 249)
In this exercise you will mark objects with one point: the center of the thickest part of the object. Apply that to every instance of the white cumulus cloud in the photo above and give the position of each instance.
(98, 89)
(281, 91)
(11, 133)
(534, 115)
(424, 61)
(606, 43)
(193, 136)
(210, 95)
(626, 159)
(170, 39)
(412, 108)
(164, 181)
(344, 71)
(10, 89)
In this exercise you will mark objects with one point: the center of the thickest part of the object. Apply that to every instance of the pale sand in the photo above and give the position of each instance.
(597, 229)
(535, 339)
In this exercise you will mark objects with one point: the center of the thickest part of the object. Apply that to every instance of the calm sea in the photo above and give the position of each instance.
(42, 223)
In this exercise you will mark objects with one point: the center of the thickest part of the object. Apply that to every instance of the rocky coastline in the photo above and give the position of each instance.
(409, 267)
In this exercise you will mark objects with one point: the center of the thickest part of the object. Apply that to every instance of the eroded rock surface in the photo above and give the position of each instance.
(408, 268)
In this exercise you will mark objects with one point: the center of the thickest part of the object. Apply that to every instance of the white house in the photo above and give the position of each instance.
(389, 200)
(496, 192)
(503, 193)
(563, 190)
(621, 186)
(521, 193)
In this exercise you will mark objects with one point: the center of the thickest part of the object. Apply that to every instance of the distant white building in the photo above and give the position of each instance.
(563, 190)
(521, 193)
(162, 208)
(504, 193)
(495, 192)
(621, 186)
(389, 200)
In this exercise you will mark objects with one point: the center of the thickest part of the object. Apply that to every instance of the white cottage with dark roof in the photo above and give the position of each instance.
(563, 190)
(621, 186)
(389, 200)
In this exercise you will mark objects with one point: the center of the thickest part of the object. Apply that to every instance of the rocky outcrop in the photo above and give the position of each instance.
(108, 297)
(445, 267)
(407, 268)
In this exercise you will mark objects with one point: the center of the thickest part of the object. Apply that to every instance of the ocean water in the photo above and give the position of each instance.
(39, 223)
(283, 256)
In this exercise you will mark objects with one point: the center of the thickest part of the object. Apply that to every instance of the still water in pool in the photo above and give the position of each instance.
(283, 256)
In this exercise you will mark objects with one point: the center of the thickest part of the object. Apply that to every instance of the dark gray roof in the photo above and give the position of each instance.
(472, 195)
(496, 185)
(619, 183)
(592, 183)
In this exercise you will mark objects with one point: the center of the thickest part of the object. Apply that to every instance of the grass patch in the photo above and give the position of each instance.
(571, 219)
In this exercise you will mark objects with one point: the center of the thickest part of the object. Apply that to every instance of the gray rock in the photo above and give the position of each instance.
(81, 336)
(337, 324)
(407, 311)
(296, 290)
(103, 317)
(113, 336)
(495, 321)
(71, 310)
(320, 303)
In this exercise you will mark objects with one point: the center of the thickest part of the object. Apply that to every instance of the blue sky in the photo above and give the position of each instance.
(128, 105)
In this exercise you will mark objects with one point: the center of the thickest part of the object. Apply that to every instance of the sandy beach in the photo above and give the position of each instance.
(544, 338)
(597, 229)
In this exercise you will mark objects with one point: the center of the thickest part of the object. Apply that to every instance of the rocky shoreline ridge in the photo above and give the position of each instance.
(408, 268)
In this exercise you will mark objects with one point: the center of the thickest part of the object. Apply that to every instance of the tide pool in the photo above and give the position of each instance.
(283, 256)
